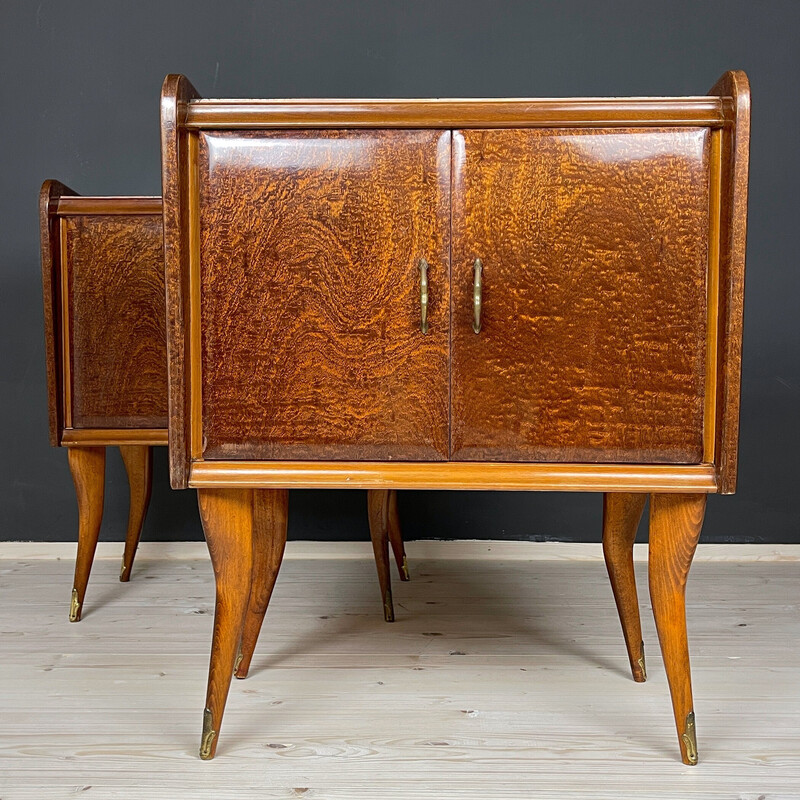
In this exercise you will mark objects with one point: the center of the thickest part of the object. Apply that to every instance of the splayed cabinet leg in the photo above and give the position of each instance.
(88, 468)
(621, 515)
(138, 460)
(227, 516)
(675, 524)
(270, 519)
(378, 509)
(396, 537)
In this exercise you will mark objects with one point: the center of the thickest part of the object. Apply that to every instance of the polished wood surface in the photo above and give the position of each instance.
(117, 337)
(378, 511)
(227, 516)
(175, 95)
(456, 475)
(78, 437)
(88, 468)
(270, 520)
(202, 114)
(49, 229)
(594, 250)
(675, 524)
(621, 515)
(103, 288)
(138, 460)
(607, 324)
(310, 300)
(734, 89)
(396, 537)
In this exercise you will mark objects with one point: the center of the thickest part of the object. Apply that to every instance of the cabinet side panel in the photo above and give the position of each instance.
(594, 246)
(310, 293)
(115, 270)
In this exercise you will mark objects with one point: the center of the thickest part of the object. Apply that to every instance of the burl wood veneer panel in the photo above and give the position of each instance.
(595, 247)
(309, 279)
(117, 324)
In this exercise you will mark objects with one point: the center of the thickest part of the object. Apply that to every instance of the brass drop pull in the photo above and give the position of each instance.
(423, 294)
(477, 295)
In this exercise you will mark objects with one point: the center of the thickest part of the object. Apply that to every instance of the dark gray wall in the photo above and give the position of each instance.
(79, 99)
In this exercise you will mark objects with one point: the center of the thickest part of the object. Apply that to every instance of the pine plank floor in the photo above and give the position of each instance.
(500, 679)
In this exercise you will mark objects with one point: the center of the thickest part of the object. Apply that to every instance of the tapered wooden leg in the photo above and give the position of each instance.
(675, 523)
(227, 516)
(270, 518)
(621, 515)
(378, 508)
(396, 537)
(138, 461)
(88, 468)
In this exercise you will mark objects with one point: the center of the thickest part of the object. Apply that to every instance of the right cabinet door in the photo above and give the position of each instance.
(593, 318)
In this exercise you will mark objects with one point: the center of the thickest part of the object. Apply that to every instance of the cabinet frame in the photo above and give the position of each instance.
(725, 111)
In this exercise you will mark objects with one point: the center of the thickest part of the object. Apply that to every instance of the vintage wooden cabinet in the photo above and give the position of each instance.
(458, 294)
(103, 283)
(105, 336)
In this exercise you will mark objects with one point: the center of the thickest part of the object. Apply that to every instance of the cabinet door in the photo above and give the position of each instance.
(594, 246)
(310, 294)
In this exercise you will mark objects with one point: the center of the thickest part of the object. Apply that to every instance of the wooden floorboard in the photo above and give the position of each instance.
(500, 679)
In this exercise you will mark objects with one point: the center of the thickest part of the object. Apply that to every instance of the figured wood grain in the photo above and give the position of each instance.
(734, 88)
(310, 245)
(594, 250)
(117, 341)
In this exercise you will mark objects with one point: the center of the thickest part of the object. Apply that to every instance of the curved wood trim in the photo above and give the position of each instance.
(454, 475)
(733, 89)
(487, 113)
(175, 95)
(49, 198)
(79, 206)
(72, 437)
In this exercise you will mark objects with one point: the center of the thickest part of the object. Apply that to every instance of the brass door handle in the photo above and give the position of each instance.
(477, 295)
(423, 294)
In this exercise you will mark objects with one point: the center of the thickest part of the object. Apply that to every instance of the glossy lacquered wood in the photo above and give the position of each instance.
(309, 252)
(594, 246)
(116, 320)
(734, 88)
(621, 514)
(103, 282)
(455, 475)
(202, 114)
(607, 301)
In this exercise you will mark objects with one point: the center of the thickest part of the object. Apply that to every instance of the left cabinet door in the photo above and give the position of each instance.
(310, 290)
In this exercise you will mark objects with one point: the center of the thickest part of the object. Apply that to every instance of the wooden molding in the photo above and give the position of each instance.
(454, 475)
(89, 437)
(481, 113)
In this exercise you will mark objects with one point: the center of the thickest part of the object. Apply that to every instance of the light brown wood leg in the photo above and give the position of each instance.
(621, 515)
(88, 468)
(378, 508)
(138, 461)
(270, 519)
(675, 523)
(396, 537)
(227, 516)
